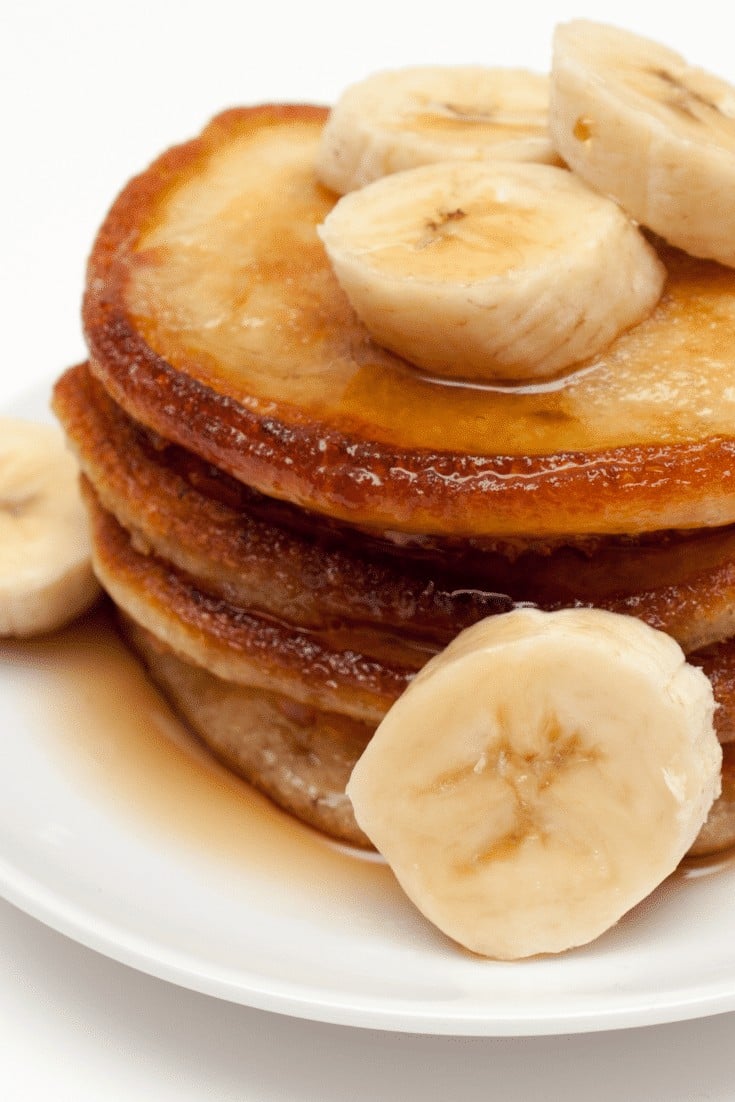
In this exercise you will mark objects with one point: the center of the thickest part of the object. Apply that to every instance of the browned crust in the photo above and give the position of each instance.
(718, 662)
(620, 490)
(625, 489)
(350, 683)
(232, 642)
(244, 548)
(233, 541)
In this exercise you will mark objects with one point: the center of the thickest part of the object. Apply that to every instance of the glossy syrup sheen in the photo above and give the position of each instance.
(230, 283)
(107, 724)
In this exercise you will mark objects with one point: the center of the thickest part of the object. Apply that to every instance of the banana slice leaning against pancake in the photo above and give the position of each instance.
(540, 777)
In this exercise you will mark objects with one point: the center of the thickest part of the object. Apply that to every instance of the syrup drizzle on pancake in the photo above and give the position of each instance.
(225, 331)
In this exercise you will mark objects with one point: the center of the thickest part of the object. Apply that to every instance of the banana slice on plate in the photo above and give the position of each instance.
(490, 272)
(408, 117)
(540, 777)
(638, 123)
(46, 575)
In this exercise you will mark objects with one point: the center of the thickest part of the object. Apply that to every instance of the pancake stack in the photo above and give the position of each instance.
(291, 520)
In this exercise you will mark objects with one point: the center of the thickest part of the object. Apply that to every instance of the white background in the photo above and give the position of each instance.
(89, 93)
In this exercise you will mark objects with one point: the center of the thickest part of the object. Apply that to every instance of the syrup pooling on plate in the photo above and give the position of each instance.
(104, 720)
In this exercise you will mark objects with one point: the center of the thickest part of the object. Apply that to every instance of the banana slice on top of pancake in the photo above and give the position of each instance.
(491, 271)
(638, 123)
(403, 118)
(540, 777)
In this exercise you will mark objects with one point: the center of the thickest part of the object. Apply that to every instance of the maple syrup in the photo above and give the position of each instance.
(108, 723)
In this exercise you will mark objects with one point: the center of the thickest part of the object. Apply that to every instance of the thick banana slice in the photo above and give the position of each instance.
(637, 123)
(46, 577)
(540, 777)
(407, 117)
(487, 272)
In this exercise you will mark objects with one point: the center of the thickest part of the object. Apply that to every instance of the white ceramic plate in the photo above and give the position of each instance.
(115, 830)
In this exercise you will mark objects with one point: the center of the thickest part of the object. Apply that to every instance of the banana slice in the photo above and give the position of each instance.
(540, 777)
(408, 117)
(46, 576)
(637, 123)
(490, 272)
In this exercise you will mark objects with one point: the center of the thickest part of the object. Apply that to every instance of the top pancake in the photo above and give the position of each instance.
(213, 317)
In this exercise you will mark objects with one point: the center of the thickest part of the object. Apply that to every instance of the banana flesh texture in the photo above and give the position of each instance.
(403, 118)
(540, 777)
(489, 272)
(46, 576)
(638, 123)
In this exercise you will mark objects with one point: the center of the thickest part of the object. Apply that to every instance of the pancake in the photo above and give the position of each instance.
(302, 758)
(284, 712)
(298, 756)
(351, 592)
(213, 317)
(276, 704)
(248, 649)
(242, 549)
(234, 643)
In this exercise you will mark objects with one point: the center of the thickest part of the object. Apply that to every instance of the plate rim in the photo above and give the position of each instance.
(132, 950)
